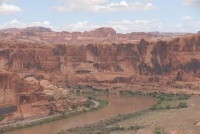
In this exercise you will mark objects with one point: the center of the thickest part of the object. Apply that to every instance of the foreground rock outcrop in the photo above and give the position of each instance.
(10, 86)
(25, 98)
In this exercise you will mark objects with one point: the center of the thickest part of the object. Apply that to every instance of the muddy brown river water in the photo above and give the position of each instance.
(117, 105)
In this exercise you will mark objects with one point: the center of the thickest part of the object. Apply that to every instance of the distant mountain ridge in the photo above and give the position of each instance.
(96, 35)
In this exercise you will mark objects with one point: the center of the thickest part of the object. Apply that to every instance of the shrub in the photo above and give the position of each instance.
(88, 104)
(161, 98)
(159, 102)
(154, 107)
(168, 107)
(183, 97)
(2, 117)
(182, 105)
(88, 86)
(170, 95)
(169, 99)
(118, 128)
(107, 90)
(89, 97)
(74, 106)
(135, 128)
(159, 130)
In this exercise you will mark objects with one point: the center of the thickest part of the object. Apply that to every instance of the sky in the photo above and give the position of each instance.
(124, 16)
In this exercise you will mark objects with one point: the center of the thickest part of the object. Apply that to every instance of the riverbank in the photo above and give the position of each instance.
(98, 104)
(118, 104)
(184, 120)
(165, 102)
(151, 120)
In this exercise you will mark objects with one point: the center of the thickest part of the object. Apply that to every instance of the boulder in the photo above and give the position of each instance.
(31, 80)
(45, 83)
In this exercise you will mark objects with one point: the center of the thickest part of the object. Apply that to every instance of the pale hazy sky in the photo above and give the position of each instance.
(122, 15)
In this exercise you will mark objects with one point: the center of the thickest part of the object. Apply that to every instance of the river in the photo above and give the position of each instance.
(117, 105)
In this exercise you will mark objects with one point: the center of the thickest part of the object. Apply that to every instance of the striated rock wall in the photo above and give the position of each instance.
(15, 91)
(10, 87)
(63, 57)
(143, 58)
(35, 70)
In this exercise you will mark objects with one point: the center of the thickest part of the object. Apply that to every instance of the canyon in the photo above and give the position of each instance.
(37, 64)
(125, 58)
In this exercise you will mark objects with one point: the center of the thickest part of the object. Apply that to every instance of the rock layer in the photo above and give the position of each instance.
(153, 59)
(85, 63)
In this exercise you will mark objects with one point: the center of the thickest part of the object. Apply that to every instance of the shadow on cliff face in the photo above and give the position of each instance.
(192, 66)
(145, 58)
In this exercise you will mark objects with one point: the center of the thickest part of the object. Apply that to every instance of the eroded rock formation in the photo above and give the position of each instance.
(10, 86)
(38, 61)
(118, 62)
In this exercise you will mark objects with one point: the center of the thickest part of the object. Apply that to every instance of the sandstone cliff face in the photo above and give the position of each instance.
(37, 62)
(29, 97)
(10, 86)
(84, 63)
(15, 91)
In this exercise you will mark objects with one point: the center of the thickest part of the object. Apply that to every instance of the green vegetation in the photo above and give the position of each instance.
(169, 101)
(154, 107)
(164, 101)
(103, 126)
(157, 95)
(61, 132)
(102, 104)
(135, 128)
(88, 89)
(128, 92)
(183, 97)
(107, 131)
(89, 103)
(74, 106)
(187, 86)
(2, 118)
(168, 107)
(182, 105)
(159, 130)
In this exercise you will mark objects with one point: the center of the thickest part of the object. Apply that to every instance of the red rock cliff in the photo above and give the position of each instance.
(83, 63)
